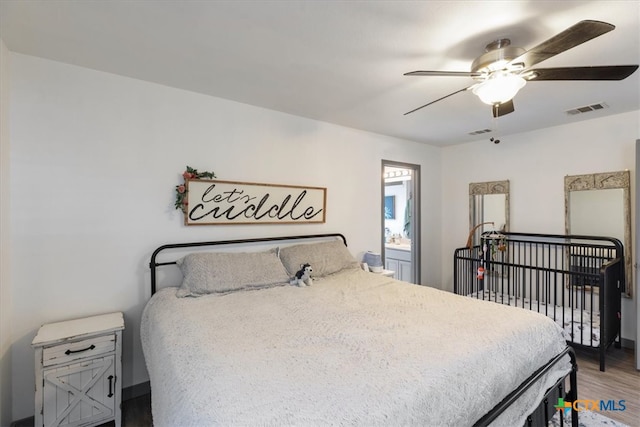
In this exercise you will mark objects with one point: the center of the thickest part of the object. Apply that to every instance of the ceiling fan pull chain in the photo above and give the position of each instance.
(494, 128)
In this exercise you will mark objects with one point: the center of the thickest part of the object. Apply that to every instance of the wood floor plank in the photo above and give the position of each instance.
(620, 381)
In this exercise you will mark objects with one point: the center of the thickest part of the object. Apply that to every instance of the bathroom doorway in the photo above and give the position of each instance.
(400, 214)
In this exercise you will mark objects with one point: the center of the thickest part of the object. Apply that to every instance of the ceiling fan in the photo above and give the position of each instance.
(504, 69)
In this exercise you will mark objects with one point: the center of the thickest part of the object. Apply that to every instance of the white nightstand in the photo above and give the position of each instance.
(388, 273)
(78, 370)
(385, 272)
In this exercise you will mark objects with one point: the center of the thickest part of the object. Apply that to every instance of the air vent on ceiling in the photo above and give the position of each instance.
(481, 131)
(587, 108)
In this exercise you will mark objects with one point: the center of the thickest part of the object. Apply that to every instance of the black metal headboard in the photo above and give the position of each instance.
(153, 264)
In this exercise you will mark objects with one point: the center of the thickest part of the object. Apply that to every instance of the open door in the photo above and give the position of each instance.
(400, 213)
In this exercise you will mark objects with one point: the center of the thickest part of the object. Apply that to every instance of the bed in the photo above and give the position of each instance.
(577, 281)
(236, 344)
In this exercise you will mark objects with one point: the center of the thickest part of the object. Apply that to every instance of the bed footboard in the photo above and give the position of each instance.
(545, 411)
(576, 280)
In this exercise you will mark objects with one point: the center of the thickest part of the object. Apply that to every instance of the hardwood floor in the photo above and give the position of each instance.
(137, 412)
(620, 381)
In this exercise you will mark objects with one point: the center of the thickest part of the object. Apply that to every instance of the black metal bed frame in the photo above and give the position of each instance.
(556, 275)
(153, 264)
(539, 417)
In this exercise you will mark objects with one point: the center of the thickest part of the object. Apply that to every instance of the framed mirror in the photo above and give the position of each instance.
(488, 203)
(599, 204)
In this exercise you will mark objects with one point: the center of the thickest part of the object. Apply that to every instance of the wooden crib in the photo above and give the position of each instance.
(576, 280)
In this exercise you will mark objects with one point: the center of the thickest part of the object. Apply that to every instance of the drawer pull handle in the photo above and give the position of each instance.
(110, 378)
(91, 347)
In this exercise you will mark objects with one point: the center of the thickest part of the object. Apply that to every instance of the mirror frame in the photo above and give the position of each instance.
(484, 188)
(605, 181)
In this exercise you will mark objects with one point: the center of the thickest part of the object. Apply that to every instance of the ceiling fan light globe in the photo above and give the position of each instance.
(499, 88)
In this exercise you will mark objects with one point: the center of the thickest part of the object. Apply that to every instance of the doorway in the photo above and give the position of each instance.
(400, 212)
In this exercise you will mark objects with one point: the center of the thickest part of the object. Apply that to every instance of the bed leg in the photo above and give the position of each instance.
(572, 396)
(561, 413)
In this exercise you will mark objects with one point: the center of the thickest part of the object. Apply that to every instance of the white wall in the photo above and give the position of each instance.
(5, 233)
(94, 161)
(535, 163)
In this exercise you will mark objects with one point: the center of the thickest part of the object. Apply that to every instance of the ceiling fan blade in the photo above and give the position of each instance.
(573, 36)
(503, 108)
(442, 73)
(611, 72)
(433, 102)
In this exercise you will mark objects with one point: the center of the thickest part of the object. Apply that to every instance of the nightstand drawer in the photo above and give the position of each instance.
(69, 351)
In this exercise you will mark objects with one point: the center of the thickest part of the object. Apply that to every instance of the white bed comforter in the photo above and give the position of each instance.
(353, 349)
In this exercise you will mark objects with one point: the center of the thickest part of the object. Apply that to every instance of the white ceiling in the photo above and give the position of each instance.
(339, 61)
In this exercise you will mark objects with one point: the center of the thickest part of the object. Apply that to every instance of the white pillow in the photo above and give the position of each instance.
(325, 257)
(224, 272)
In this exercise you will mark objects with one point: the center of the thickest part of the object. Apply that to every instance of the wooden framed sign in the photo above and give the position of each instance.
(212, 202)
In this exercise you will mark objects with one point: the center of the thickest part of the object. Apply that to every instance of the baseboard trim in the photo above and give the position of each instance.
(627, 343)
